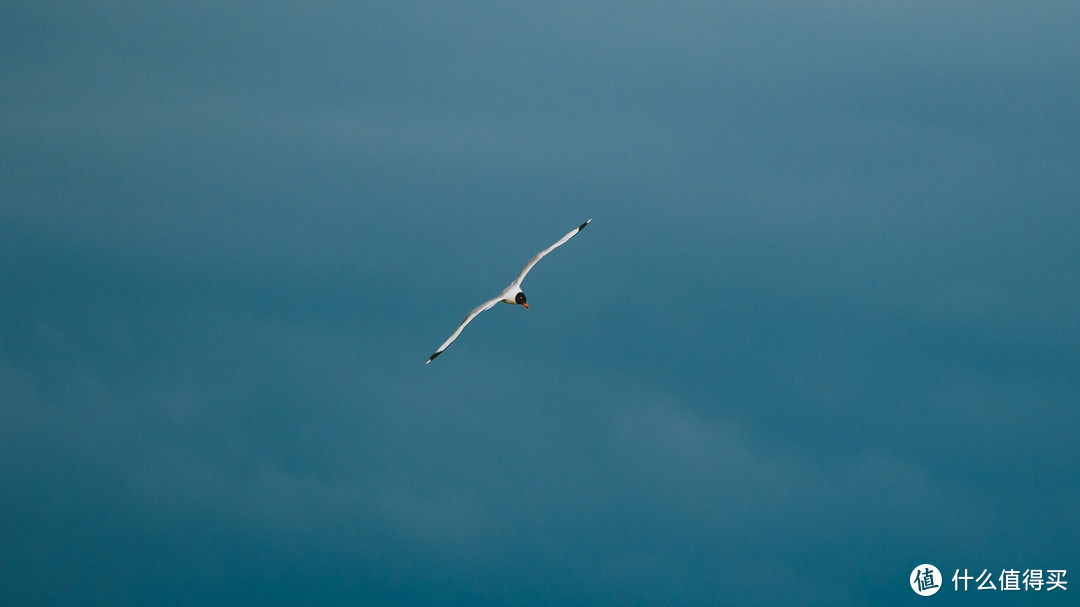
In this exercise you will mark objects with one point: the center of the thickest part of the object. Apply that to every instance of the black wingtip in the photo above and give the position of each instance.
(582, 226)
(433, 356)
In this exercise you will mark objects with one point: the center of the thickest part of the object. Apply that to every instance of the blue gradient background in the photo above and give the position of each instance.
(822, 329)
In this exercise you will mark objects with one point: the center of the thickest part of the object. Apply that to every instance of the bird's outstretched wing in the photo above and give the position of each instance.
(487, 305)
(540, 255)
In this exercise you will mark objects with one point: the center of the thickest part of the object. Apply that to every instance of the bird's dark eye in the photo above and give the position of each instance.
(520, 299)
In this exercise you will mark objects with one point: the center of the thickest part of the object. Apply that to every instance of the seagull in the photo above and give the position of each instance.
(511, 294)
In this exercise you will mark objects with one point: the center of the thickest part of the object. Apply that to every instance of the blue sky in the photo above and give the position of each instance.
(821, 330)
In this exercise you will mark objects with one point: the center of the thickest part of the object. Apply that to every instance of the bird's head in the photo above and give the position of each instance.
(519, 299)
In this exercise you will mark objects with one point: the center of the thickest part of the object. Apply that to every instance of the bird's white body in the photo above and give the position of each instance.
(509, 294)
(512, 294)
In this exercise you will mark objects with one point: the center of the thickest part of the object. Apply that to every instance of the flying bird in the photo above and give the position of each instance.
(512, 294)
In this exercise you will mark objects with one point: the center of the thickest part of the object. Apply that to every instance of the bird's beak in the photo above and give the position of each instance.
(526, 305)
